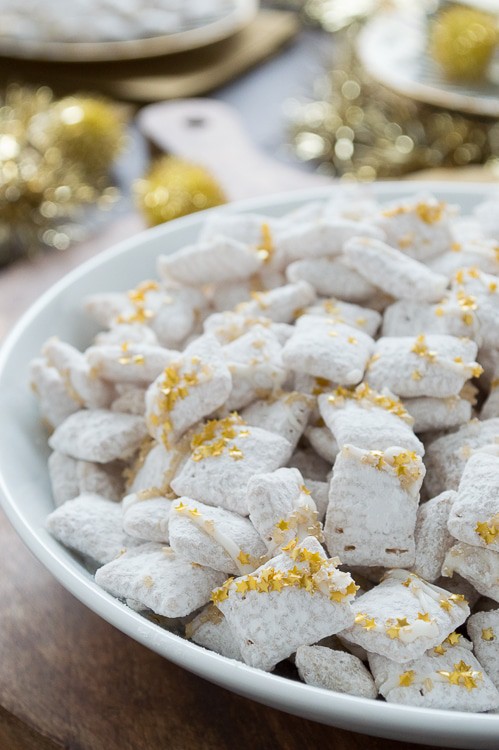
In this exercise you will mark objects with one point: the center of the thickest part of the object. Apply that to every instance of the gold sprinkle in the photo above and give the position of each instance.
(352, 340)
(453, 639)
(439, 311)
(393, 631)
(305, 490)
(407, 678)
(440, 650)
(148, 582)
(243, 558)
(266, 248)
(456, 247)
(416, 375)
(487, 531)
(445, 604)
(462, 675)
(488, 634)
(424, 616)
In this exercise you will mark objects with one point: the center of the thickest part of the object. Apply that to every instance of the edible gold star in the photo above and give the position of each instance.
(445, 604)
(488, 634)
(359, 618)
(252, 583)
(423, 616)
(416, 375)
(462, 675)
(219, 595)
(194, 512)
(352, 340)
(290, 545)
(407, 678)
(305, 490)
(336, 596)
(282, 525)
(453, 639)
(393, 631)
(180, 507)
(488, 533)
(243, 558)
(402, 622)
(277, 581)
(440, 650)
(242, 586)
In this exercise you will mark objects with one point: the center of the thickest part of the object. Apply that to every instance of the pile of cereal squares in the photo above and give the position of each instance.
(288, 446)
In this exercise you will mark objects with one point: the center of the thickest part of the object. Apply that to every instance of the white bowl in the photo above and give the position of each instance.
(24, 485)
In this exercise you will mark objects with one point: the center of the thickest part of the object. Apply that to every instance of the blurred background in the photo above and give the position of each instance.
(119, 114)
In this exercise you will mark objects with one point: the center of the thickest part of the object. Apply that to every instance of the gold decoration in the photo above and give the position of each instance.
(355, 128)
(462, 675)
(173, 188)
(462, 41)
(88, 131)
(42, 189)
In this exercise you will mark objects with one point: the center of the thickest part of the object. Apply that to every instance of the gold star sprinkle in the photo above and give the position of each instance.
(194, 512)
(440, 650)
(352, 340)
(424, 616)
(462, 675)
(219, 595)
(180, 507)
(457, 598)
(289, 546)
(407, 678)
(445, 604)
(453, 639)
(393, 631)
(243, 558)
(242, 586)
(402, 622)
(305, 490)
(416, 375)
(487, 532)
(282, 525)
(488, 634)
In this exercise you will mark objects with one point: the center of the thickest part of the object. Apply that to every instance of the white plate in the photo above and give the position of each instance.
(392, 49)
(239, 15)
(24, 485)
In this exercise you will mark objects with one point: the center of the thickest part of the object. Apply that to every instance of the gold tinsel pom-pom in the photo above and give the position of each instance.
(88, 131)
(462, 41)
(174, 187)
(48, 173)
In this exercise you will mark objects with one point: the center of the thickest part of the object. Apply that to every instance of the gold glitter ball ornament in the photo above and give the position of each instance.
(173, 188)
(42, 192)
(89, 131)
(462, 41)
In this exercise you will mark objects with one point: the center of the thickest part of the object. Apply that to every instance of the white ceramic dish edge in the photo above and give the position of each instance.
(18, 480)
